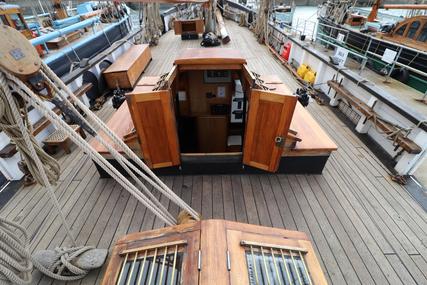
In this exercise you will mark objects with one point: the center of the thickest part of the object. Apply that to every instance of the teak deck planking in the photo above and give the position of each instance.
(365, 228)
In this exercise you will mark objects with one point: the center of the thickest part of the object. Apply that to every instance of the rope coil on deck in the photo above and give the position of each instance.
(16, 262)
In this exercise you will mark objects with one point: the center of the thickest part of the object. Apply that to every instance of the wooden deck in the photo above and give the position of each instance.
(365, 228)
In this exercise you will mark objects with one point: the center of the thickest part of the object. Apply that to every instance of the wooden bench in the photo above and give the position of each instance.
(126, 70)
(60, 138)
(10, 149)
(60, 42)
(122, 125)
(399, 138)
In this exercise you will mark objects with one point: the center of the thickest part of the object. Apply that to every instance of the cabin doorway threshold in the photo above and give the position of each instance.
(227, 163)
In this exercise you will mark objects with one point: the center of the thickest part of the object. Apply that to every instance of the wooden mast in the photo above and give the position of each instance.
(60, 12)
(374, 12)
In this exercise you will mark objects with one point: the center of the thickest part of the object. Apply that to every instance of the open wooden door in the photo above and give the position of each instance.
(269, 118)
(153, 115)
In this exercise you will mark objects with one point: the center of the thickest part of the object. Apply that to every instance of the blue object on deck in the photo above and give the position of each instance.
(62, 23)
(53, 35)
(33, 17)
(82, 42)
(84, 8)
(33, 26)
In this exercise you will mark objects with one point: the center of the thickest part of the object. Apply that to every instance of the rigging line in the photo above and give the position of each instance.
(119, 142)
(16, 114)
(59, 123)
(124, 163)
(78, 167)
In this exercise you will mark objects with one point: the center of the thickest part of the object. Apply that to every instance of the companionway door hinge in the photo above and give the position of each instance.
(199, 261)
(228, 261)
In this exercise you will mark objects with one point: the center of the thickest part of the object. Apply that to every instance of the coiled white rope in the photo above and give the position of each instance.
(7, 96)
(16, 262)
(15, 259)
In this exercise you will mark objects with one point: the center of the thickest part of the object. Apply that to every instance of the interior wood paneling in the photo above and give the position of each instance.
(212, 133)
(198, 90)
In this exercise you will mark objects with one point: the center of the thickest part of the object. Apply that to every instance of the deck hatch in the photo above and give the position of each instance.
(275, 264)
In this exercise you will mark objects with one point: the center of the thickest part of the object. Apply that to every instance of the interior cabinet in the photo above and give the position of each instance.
(212, 133)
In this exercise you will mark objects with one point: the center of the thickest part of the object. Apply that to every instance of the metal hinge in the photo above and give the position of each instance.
(228, 261)
(280, 141)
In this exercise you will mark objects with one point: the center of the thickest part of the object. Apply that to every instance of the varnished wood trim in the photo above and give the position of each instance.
(172, 243)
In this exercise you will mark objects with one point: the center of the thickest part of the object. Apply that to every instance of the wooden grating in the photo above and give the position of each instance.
(158, 264)
(276, 264)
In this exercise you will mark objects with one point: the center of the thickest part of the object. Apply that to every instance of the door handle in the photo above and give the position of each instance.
(280, 141)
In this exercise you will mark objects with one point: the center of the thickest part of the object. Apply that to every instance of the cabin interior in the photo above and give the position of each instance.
(210, 110)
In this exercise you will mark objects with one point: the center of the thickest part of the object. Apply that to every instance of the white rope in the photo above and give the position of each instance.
(25, 92)
(16, 262)
(26, 136)
(153, 179)
(119, 158)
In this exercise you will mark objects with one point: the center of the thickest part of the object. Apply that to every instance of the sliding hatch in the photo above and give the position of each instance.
(269, 118)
